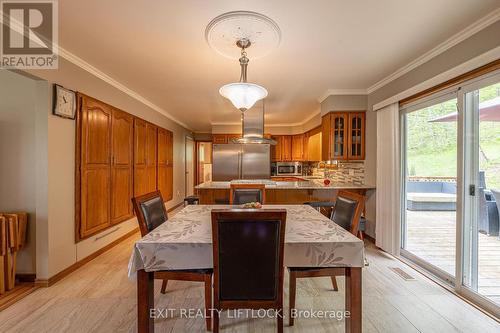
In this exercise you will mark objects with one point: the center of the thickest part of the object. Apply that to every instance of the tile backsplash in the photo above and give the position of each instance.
(347, 172)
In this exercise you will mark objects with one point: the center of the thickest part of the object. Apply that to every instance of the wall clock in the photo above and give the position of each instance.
(64, 102)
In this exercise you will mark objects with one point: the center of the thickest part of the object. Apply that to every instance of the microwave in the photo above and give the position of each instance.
(287, 169)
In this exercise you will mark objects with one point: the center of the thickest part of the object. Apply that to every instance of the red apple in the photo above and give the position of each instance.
(326, 182)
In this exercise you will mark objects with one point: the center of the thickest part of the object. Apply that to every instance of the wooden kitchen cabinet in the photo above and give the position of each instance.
(343, 135)
(356, 136)
(286, 148)
(219, 138)
(164, 169)
(326, 134)
(140, 158)
(95, 166)
(276, 149)
(224, 138)
(122, 139)
(297, 147)
(118, 156)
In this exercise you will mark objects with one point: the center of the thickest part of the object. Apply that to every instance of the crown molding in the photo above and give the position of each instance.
(472, 29)
(341, 92)
(115, 83)
(465, 67)
(314, 114)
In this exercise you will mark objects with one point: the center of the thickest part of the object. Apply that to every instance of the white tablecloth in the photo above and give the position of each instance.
(185, 241)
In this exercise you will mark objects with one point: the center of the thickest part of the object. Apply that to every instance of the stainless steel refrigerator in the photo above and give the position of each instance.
(241, 161)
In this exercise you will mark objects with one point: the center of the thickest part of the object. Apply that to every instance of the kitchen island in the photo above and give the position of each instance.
(280, 192)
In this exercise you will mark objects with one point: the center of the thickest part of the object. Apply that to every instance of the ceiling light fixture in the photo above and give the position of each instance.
(242, 94)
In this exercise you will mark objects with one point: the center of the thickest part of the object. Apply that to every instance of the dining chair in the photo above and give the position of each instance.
(244, 193)
(248, 260)
(347, 213)
(151, 213)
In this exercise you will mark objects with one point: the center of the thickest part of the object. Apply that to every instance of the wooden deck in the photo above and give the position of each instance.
(431, 236)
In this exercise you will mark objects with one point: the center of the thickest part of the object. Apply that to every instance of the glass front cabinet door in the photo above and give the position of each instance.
(339, 135)
(356, 137)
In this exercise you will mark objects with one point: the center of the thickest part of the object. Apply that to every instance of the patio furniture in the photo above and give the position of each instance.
(431, 196)
(488, 212)
(496, 195)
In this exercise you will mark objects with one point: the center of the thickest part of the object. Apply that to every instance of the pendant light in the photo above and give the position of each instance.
(242, 94)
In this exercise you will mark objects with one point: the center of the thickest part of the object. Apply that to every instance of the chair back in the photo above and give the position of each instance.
(150, 211)
(244, 193)
(348, 209)
(248, 257)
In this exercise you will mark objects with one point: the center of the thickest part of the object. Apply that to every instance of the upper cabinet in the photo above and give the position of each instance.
(343, 136)
(298, 147)
(356, 139)
(224, 138)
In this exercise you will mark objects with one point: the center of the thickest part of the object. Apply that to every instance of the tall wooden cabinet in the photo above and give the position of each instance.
(95, 166)
(118, 156)
(122, 134)
(141, 179)
(165, 165)
(343, 136)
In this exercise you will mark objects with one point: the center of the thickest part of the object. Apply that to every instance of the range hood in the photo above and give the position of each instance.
(252, 125)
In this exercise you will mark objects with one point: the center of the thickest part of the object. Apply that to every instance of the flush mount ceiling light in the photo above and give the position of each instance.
(244, 29)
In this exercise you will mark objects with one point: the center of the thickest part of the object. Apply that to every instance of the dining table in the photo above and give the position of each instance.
(185, 242)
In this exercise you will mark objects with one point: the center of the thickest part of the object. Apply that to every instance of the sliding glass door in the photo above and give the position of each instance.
(430, 184)
(451, 186)
(481, 242)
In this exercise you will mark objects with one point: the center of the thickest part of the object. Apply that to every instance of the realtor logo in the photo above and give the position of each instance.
(29, 34)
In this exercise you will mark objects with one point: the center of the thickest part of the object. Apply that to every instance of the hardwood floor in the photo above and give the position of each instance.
(99, 297)
(431, 236)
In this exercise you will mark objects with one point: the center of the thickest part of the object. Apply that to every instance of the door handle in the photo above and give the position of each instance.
(472, 190)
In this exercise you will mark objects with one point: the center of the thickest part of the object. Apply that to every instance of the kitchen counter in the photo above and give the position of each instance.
(312, 184)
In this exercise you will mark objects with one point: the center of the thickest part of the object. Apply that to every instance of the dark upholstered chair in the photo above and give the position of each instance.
(244, 193)
(347, 214)
(248, 260)
(151, 213)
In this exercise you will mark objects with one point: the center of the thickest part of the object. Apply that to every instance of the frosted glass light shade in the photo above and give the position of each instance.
(243, 95)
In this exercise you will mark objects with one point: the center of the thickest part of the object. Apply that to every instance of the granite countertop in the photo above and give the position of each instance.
(316, 184)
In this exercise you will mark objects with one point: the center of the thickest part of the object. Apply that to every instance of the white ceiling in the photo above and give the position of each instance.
(157, 48)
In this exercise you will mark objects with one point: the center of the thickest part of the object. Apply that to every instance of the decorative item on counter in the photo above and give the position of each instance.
(252, 205)
(329, 165)
(326, 181)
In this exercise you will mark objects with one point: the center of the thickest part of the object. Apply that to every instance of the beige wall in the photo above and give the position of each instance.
(58, 231)
(18, 97)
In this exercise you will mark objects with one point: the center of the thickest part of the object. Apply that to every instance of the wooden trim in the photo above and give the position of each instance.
(62, 274)
(78, 176)
(488, 68)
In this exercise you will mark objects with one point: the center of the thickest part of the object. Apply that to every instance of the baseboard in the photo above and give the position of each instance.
(62, 274)
(370, 238)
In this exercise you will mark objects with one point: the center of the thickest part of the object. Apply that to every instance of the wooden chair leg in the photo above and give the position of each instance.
(208, 301)
(279, 318)
(334, 283)
(215, 321)
(292, 289)
(164, 286)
